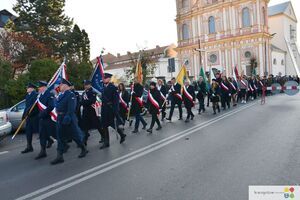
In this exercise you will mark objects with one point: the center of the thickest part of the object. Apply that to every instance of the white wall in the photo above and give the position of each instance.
(278, 67)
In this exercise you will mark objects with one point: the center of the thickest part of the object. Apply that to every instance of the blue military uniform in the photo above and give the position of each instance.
(67, 122)
(32, 119)
(47, 126)
(110, 110)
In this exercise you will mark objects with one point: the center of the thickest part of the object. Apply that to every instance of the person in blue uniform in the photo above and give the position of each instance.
(110, 110)
(176, 99)
(189, 98)
(67, 122)
(155, 102)
(32, 117)
(46, 117)
(137, 105)
(90, 120)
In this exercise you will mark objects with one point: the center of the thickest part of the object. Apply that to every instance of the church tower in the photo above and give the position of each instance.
(228, 32)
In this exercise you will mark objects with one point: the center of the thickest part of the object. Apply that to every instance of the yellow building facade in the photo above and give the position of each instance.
(228, 33)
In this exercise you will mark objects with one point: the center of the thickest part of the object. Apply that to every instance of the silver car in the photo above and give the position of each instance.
(15, 115)
(5, 125)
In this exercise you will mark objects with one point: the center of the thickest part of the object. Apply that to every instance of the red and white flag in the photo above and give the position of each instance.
(153, 101)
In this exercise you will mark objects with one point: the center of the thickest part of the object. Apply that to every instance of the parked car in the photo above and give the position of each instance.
(5, 125)
(15, 115)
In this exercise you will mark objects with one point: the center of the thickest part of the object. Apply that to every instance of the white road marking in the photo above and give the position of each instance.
(4, 152)
(88, 174)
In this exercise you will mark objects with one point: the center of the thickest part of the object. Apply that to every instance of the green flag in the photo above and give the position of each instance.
(202, 73)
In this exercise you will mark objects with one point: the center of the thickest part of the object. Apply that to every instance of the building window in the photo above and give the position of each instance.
(292, 32)
(211, 25)
(185, 3)
(282, 62)
(246, 17)
(185, 32)
(247, 54)
(213, 58)
(264, 16)
(274, 61)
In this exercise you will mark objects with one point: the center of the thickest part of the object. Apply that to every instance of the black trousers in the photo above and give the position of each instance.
(225, 100)
(189, 113)
(201, 104)
(179, 104)
(154, 120)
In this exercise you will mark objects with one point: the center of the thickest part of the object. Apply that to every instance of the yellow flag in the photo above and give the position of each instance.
(139, 72)
(182, 75)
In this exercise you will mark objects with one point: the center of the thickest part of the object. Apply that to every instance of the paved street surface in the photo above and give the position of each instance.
(213, 157)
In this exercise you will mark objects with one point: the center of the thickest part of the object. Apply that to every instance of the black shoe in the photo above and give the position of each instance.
(83, 152)
(199, 113)
(49, 145)
(180, 118)
(144, 127)
(123, 138)
(66, 148)
(215, 113)
(59, 159)
(158, 128)
(192, 118)
(101, 141)
(169, 119)
(135, 131)
(187, 120)
(149, 130)
(104, 146)
(130, 122)
(27, 150)
(41, 155)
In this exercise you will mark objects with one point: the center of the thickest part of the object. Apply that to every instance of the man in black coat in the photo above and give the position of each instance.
(32, 119)
(90, 120)
(163, 95)
(176, 98)
(189, 98)
(137, 105)
(155, 103)
(109, 110)
(202, 92)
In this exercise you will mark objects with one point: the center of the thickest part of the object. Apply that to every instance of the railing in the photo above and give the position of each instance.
(292, 56)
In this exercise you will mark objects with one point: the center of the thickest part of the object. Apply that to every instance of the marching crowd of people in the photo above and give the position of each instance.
(69, 116)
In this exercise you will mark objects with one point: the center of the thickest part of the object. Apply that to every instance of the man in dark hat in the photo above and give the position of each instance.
(67, 122)
(45, 104)
(109, 111)
(31, 112)
(90, 120)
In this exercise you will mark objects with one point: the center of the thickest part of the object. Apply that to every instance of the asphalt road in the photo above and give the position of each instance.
(213, 157)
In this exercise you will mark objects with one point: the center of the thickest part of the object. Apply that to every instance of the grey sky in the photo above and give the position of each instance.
(120, 26)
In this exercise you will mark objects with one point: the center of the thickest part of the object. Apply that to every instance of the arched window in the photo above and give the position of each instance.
(246, 17)
(185, 3)
(185, 32)
(274, 61)
(211, 25)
